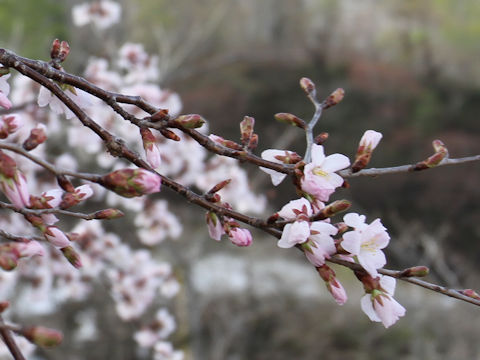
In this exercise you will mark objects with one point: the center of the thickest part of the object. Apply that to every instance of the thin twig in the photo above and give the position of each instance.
(8, 339)
(398, 275)
(403, 168)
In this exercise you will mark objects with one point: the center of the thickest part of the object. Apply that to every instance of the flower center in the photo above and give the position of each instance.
(320, 172)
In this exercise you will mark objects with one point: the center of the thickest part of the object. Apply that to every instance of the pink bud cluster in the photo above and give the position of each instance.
(219, 225)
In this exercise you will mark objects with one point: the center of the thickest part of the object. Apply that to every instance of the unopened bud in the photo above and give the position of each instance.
(169, 134)
(8, 259)
(415, 271)
(470, 293)
(65, 184)
(290, 119)
(307, 85)
(439, 146)
(368, 143)
(9, 124)
(64, 51)
(335, 208)
(219, 186)
(72, 256)
(37, 137)
(132, 182)
(253, 142)
(227, 143)
(42, 336)
(334, 98)
(441, 152)
(108, 214)
(246, 129)
(326, 273)
(3, 306)
(55, 49)
(321, 138)
(160, 115)
(191, 121)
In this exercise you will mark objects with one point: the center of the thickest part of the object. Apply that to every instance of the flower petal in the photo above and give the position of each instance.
(335, 162)
(351, 242)
(367, 307)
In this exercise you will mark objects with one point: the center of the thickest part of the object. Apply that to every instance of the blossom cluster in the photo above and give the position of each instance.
(352, 240)
(45, 252)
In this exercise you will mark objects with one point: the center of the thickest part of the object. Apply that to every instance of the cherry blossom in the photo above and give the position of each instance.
(4, 90)
(164, 351)
(319, 178)
(80, 97)
(380, 306)
(102, 14)
(162, 326)
(240, 237)
(321, 244)
(366, 242)
(276, 156)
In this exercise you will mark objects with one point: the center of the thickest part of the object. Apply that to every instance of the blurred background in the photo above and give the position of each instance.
(410, 69)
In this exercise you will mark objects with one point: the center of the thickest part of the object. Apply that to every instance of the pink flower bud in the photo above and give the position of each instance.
(333, 285)
(368, 143)
(56, 237)
(9, 124)
(334, 98)
(132, 182)
(334, 208)
(52, 198)
(307, 85)
(470, 293)
(415, 271)
(81, 193)
(249, 139)
(16, 190)
(441, 152)
(321, 138)
(37, 137)
(64, 51)
(108, 214)
(215, 227)
(42, 336)
(240, 237)
(151, 150)
(55, 49)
